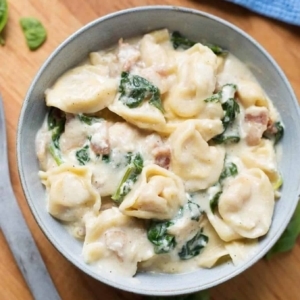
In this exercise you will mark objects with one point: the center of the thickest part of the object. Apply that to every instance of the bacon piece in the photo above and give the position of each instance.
(116, 240)
(100, 141)
(128, 55)
(256, 122)
(162, 156)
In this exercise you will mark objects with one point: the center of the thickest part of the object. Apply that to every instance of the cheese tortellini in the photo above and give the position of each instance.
(158, 194)
(159, 155)
(197, 163)
(247, 203)
(70, 192)
(117, 241)
(85, 89)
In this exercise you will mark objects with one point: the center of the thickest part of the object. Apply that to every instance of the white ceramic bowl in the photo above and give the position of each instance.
(196, 25)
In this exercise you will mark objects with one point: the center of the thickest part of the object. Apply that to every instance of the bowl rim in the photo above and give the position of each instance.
(138, 289)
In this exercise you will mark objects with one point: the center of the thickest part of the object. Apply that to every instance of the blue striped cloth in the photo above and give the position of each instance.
(284, 10)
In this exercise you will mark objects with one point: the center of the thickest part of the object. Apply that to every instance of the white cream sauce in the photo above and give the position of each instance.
(176, 160)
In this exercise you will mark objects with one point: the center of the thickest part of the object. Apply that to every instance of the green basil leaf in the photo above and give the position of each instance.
(289, 237)
(135, 89)
(34, 31)
(3, 18)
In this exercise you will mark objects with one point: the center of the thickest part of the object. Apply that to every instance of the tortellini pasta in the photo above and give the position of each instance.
(85, 89)
(250, 93)
(157, 195)
(263, 157)
(247, 204)
(118, 241)
(70, 192)
(159, 155)
(146, 116)
(197, 163)
(196, 81)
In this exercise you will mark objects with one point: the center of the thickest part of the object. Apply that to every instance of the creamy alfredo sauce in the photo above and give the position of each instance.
(160, 156)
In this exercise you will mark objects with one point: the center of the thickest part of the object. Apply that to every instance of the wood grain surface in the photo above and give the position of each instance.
(266, 280)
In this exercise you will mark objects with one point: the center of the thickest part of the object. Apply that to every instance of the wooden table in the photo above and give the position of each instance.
(276, 279)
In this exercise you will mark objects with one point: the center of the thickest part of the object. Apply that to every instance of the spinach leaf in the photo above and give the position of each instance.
(179, 40)
(280, 131)
(34, 31)
(231, 109)
(135, 168)
(229, 169)
(193, 246)
(158, 236)
(275, 132)
(214, 98)
(56, 124)
(223, 139)
(214, 202)
(158, 231)
(135, 89)
(289, 237)
(3, 18)
(106, 158)
(195, 210)
(56, 118)
(82, 155)
(87, 119)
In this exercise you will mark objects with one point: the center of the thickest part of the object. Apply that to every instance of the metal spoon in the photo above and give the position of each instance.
(17, 233)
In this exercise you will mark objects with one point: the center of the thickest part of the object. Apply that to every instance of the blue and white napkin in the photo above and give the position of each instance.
(284, 10)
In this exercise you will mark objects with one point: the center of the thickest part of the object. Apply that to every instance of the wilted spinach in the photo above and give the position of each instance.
(106, 158)
(83, 156)
(135, 89)
(275, 133)
(163, 241)
(229, 169)
(214, 202)
(231, 109)
(193, 246)
(179, 41)
(134, 169)
(56, 124)
(88, 119)
(157, 234)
